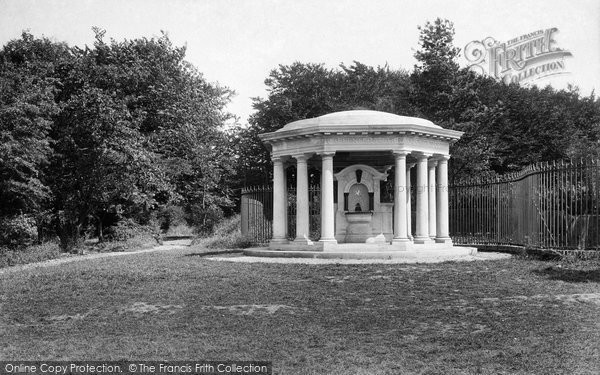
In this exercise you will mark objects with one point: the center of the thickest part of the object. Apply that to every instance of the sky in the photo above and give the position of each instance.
(238, 42)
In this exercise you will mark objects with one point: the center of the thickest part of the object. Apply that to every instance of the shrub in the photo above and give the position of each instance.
(180, 230)
(128, 234)
(226, 235)
(235, 241)
(18, 231)
(171, 216)
(124, 230)
(204, 219)
(30, 254)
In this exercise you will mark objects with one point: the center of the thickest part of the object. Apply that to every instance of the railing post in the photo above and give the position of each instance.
(498, 212)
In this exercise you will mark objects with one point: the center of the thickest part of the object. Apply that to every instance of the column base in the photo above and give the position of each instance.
(327, 244)
(423, 240)
(401, 244)
(277, 242)
(303, 241)
(332, 239)
(447, 240)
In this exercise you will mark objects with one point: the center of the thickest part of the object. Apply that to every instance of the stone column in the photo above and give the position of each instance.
(279, 203)
(327, 206)
(285, 201)
(442, 235)
(302, 212)
(408, 202)
(432, 193)
(400, 225)
(422, 231)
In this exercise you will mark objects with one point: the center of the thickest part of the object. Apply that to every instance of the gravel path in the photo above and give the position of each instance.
(167, 245)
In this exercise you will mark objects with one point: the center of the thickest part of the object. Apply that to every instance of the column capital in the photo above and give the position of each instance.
(400, 153)
(421, 155)
(302, 157)
(442, 157)
(277, 159)
(432, 163)
(326, 154)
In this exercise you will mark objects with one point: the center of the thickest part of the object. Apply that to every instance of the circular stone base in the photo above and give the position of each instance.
(316, 261)
(368, 251)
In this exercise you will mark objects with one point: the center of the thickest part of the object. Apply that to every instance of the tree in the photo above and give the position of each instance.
(139, 128)
(102, 163)
(302, 91)
(436, 70)
(506, 126)
(109, 132)
(27, 107)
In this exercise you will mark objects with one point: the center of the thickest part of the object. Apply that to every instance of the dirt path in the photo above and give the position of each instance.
(167, 245)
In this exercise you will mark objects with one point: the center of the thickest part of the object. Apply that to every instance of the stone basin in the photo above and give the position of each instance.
(359, 226)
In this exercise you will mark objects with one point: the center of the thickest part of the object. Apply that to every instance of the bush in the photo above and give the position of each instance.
(180, 230)
(204, 219)
(128, 234)
(18, 231)
(235, 241)
(30, 254)
(226, 235)
(228, 226)
(124, 230)
(138, 242)
(171, 216)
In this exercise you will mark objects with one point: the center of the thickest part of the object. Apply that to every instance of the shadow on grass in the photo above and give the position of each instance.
(175, 238)
(570, 275)
(215, 252)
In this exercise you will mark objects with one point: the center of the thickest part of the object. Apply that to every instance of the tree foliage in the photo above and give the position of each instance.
(301, 91)
(124, 130)
(27, 108)
(434, 77)
(506, 127)
(110, 132)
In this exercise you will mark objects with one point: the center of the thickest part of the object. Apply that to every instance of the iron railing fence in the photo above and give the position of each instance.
(314, 211)
(546, 205)
(257, 213)
(256, 210)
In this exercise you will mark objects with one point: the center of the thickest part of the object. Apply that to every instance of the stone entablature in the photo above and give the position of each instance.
(335, 143)
(374, 130)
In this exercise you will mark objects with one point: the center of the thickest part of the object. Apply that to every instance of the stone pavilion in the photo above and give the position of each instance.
(355, 151)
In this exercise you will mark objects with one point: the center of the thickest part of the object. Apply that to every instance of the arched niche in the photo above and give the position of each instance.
(358, 198)
(352, 178)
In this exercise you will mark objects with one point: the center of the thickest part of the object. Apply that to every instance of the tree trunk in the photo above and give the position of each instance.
(99, 228)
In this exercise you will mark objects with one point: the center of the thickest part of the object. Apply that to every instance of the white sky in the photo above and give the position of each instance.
(238, 42)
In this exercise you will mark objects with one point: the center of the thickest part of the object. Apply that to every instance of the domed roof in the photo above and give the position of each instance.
(365, 118)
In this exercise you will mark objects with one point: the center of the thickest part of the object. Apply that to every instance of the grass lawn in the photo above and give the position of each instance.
(496, 317)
